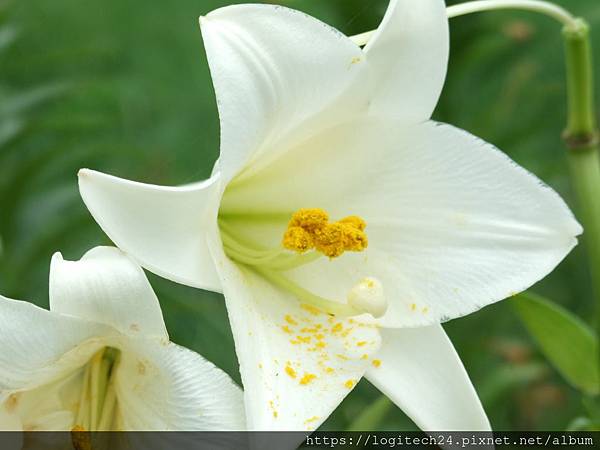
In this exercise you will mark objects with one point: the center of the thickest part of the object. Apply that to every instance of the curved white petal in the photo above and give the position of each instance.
(34, 342)
(421, 372)
(107, 287)
(453, 223)
(296, 365)
(164, 229)
(408, 58)
(167, 387)
(273, 68)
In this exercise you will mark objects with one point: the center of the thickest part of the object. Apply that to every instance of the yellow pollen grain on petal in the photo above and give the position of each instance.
(425, 310)
(321, 344)
(275, 414)
(286, 329)
(361, 343)
(337, 327)
(289, 319)
(329, 370)
(307, 378)
(312, 419)
(320, 336)
(305, 339)
(413, 307)
(376, 362)
(290, 371)
(11, 402)
(311, 309)
(350, 384)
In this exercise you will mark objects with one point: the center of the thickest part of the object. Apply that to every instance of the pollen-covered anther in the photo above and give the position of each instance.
(298, 239)
(330, 241)
(355, 221)
(309, 218)
(367, 296)
(355, 240)
(309, 228)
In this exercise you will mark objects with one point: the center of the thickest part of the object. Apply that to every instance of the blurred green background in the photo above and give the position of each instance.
(122, 86)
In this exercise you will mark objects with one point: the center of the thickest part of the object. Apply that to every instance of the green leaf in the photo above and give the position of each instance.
(372, 416)
(568, 343)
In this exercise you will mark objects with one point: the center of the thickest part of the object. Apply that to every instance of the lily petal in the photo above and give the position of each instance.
(453, 223)
(296, 363)
(164, 229)
(409, 56)
(107, 287)
(171, 388)
(27, 358)
(273, 68)
(421, 372)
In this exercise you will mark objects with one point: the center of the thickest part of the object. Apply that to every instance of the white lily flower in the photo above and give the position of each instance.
(101, 359)
(310, 122)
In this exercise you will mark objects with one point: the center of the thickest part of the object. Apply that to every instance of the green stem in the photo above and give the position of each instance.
(581, 137)
(372, 415)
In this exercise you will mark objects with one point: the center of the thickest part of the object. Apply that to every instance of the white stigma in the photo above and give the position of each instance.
(367, 296)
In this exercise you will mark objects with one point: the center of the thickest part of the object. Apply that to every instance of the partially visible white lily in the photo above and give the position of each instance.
(101, 359)
(425, 222)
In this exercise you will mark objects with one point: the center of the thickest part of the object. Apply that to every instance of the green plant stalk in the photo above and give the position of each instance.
(581, 138)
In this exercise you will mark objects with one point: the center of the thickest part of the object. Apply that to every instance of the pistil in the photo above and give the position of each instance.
(309, 236)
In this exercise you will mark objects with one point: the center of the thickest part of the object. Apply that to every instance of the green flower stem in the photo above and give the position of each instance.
(581, 137)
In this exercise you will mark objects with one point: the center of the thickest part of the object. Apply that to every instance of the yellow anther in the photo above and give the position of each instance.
(81, 438)
(330, 241)
(355, 221)
(310, 228)
(355, 240)
(298, 239)
(309, 218)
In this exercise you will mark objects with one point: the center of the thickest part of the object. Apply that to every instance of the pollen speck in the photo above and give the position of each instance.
(361, 343)
(425, 309)
(337, 327)
(11, 402)
(376, 362)
(290, 371)
(286, 329)
(289, 319)
(413, 306)
(307, 378)
(349, 384)
(311, 309)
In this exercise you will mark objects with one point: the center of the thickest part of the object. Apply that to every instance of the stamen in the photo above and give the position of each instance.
(310, 228)
(98, 400)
